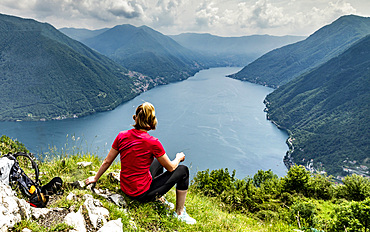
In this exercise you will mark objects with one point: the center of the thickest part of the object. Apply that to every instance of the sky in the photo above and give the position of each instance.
(171, 17)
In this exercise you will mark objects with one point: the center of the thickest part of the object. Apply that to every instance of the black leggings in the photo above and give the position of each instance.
(163, 182)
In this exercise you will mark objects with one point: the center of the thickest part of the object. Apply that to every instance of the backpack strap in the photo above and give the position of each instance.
(34, 165)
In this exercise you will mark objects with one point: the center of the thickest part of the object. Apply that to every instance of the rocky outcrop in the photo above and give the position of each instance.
(91, 215)
(12, 209)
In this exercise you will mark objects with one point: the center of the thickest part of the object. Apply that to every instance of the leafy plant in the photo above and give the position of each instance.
(355, 187)
(351, 216)
(7, 145)
(215, 182)
(296, 180)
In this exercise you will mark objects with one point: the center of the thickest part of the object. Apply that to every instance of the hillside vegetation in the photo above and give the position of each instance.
(282, 65)
(46, 75)
(218, 201)
(326, 112)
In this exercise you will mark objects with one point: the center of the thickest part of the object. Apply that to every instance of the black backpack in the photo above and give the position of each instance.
(11, 173)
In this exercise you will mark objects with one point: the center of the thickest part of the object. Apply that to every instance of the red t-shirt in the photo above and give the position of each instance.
(137, 151)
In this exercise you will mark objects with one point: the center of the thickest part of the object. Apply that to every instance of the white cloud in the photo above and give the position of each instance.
(220, 17)
(165, 13)
(207, 14)
(129, 9)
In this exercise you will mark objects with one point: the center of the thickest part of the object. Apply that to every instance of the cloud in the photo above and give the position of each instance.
(105, 10)
(220, 17)
(207, 14)
(289, 16)
(263, 14)
(126, 9)
(165, 13)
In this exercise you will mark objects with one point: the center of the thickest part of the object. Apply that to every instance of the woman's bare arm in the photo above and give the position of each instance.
(171, 165)
(105, 165)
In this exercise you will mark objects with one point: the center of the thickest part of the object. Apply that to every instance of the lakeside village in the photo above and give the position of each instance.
(349, 167)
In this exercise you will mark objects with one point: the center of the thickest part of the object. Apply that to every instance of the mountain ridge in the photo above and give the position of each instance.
(284, 64)
(47, 75)
(147, 51)
(234, 51)
(326, 110)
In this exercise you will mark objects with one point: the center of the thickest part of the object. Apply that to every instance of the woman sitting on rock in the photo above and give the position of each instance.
(142, 177)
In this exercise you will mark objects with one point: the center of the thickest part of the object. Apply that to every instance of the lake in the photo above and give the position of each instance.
(218, 122)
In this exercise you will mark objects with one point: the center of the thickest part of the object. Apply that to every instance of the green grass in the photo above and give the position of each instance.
(211, 214)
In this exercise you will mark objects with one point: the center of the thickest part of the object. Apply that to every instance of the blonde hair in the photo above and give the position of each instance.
(145, 117)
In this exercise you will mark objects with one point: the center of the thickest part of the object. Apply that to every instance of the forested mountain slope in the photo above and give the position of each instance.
(233, 51)
(284, 64)
(147, 51)
(327, 111)
(45, 74)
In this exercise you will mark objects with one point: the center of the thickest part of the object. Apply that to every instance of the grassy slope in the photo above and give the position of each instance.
(215, 213)
(211, 214)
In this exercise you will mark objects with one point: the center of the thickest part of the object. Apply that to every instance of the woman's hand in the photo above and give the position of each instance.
(90, 180)
(171, 165)
(180, 156)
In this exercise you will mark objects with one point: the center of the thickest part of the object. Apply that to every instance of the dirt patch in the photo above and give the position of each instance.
(53, 217)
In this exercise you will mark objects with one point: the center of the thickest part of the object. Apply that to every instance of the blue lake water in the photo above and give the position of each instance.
(216, 121)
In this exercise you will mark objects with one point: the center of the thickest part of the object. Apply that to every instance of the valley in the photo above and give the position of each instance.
(321, 82)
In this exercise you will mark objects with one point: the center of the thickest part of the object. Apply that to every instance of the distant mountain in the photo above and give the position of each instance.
(327, 111)
(235, 51)
(44, 74)
(284, 64)
(147, 51)
(80, 34)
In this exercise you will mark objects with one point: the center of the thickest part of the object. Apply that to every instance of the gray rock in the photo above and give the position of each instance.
(96, 212)
(71, 196)
(12, 209)
(114, 197)
(118, 200)
(78, 184)
(76, 220)
(39, 212)
(112, 226)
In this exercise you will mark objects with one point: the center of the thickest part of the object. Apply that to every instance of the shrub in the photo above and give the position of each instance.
(355, 187)
(215, 182)
(352, 216)
(263, 176)
(303, 213)
(242, 196)
(296, 180)
(320, 187)
(7, 145)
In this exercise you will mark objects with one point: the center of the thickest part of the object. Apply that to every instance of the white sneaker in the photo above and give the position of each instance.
(185, 217)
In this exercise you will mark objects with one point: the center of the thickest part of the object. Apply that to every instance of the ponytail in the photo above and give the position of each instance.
(145, 117)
